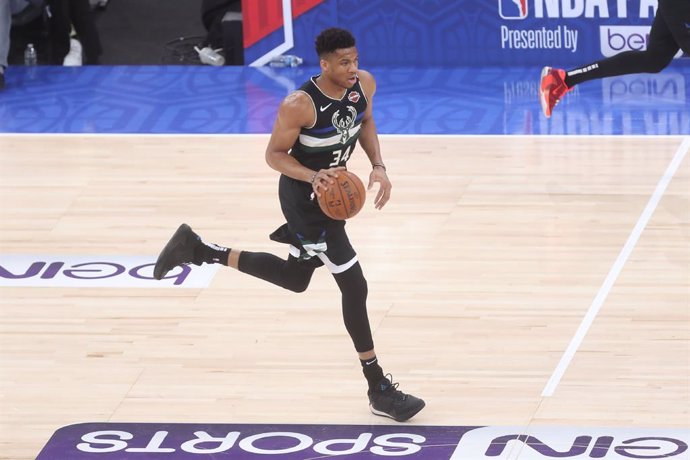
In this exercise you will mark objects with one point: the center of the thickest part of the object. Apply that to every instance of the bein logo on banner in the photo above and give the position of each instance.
(512, 9)
(540, 443)
(97, 271)
(170, 441)
(616, 39)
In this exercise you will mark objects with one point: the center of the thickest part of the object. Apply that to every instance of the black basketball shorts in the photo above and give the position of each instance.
(314, 238)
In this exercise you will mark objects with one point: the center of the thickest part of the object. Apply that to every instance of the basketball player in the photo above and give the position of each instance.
(313, 137)
(670, 32)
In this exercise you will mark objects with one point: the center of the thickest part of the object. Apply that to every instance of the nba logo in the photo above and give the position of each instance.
(512, 9)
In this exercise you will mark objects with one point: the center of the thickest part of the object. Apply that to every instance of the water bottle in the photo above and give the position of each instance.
(209, 56)
(30, 55)
(285, 60)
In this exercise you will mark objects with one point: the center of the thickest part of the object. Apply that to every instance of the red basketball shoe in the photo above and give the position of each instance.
(551, 89)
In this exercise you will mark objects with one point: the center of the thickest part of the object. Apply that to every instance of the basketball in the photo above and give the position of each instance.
(345, 198)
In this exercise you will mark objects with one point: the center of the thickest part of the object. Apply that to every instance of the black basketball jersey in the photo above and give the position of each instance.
(332, 138)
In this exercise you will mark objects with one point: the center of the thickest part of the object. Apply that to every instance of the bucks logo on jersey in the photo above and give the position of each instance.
(344, 124)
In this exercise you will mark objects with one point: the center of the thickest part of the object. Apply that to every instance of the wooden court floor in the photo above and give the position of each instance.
(481, 269)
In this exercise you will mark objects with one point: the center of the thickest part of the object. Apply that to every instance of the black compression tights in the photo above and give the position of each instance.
(624, 63)
(295, 276)
(353, 287)
(288, 274)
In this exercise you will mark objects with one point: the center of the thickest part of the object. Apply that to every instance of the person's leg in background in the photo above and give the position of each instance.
(82, 18)
(670, 32)
(5, 25)
(657, 56)
(677, 16)
(60, 26)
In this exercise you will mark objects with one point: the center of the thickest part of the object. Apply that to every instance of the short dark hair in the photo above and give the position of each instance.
(333, 39)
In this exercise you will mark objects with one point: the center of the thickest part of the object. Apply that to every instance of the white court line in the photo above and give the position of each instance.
(616, 269)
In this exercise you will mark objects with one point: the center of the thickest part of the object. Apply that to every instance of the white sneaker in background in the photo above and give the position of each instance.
(74, 57)
(208, 55)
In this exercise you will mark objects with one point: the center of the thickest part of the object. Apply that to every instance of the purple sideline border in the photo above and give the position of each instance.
(180, 441)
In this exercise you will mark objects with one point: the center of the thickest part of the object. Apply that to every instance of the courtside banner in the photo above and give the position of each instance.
(464, 32)
(168, 441)
(21, 270)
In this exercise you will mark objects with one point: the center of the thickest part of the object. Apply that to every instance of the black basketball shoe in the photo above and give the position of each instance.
(178, 251)
(388, 401)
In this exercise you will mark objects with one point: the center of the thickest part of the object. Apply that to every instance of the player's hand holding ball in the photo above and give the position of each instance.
(340, 193)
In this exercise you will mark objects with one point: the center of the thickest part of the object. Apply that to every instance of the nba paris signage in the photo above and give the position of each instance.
(97, 271)
(166, 441)
(571, 25)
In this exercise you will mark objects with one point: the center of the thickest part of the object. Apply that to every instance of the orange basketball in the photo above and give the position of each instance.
(343, 199)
